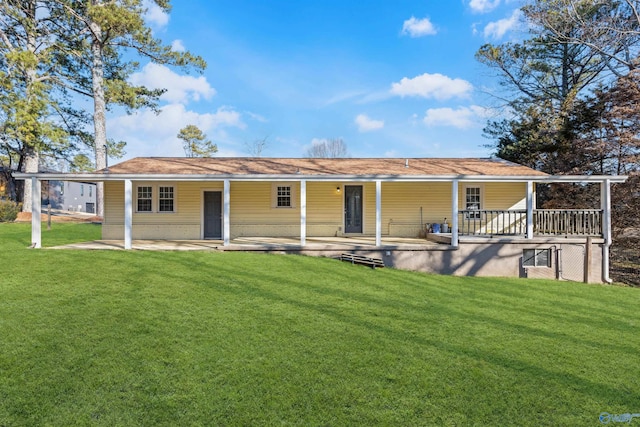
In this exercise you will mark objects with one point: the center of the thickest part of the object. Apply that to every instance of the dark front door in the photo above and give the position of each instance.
(213, 215)
(353, 209)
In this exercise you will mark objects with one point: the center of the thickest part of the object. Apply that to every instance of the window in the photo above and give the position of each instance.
(62, 189)
(81, 189)
(145, 194)
(283, 196)
(90, 190)
(165, 200)
(536, 257)
(472, 201)
(155, 198)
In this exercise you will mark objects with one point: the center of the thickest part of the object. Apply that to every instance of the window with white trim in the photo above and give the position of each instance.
(165, 199)
(536, 257)
(283, 195)
(144, 199)
(472, 201)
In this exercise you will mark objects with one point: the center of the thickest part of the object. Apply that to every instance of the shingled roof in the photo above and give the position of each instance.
(321, 167)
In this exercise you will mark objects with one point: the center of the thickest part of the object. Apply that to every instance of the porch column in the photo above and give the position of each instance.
(36, 207)
(378, 213)
(605, 200)
(128, 213)
(454, 213)
(303, 212)
(529, 232)
(226, 233)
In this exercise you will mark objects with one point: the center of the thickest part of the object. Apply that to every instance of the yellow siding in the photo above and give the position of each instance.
(252, 211)
(114, 203)
(184, 223)
(369, 208)
(402, 203)
(324, 209)
(499, 196)
(505, 195)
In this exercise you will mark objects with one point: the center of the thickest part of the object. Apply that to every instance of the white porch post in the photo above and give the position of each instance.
(36, 207)
(605, 200)
(128, 213)
(303, 212)
(226, 233)
(378, 213)
(454, 213)
(529, 210)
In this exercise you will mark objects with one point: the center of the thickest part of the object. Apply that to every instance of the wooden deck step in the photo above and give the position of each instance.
(363, 260)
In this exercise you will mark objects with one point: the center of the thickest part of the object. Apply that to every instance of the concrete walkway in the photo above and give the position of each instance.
(262, 244)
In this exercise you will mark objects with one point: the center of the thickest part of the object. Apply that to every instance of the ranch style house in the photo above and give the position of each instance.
(463, 216)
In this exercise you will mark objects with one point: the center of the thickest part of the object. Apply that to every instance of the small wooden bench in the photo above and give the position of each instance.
(363, 260)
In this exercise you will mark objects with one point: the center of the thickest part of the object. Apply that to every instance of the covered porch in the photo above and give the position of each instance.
(266, 244)
(395, 208)
(384, 206)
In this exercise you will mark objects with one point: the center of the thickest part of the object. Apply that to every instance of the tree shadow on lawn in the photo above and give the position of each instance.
(414, 314)
(413, 310)
(596, 313)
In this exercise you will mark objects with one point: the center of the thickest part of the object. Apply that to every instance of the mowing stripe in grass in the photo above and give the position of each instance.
(166, 338)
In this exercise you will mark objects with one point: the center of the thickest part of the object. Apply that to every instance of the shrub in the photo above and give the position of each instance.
(8, 210)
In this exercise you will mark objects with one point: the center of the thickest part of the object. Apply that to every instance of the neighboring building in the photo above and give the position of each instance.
(64, 195)
(5, 189)
(484, 210)
(69, 195)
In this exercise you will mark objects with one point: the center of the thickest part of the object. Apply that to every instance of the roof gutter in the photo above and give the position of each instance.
(103, 177)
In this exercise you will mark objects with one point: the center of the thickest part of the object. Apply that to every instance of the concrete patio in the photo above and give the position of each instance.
(264, 244)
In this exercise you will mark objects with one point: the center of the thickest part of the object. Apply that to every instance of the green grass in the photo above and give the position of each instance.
(206, 338)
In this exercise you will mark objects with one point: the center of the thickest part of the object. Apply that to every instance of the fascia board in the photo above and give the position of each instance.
(353, 178)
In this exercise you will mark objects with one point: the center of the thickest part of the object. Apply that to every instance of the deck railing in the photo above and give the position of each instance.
(567, 222)
(546, 222)
(492, 222)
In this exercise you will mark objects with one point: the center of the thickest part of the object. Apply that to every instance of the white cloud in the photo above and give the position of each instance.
(172, 118)
(418, 27)
(497, 29)
(256, 117)
(150, 134)
(461, 118)
(483, 6)
(367, 124)
(435, 86)
(155, 15)
(180, 88)
(177, 46)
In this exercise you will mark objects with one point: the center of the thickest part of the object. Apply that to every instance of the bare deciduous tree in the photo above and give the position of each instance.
(257, 147)
(328, 148)
(610, 29)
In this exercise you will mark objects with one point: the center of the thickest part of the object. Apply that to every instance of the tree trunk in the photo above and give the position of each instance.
(99, 110)
(31, 152)
(31, 160)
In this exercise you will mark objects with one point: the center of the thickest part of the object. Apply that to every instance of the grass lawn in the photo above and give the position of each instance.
(207, 338)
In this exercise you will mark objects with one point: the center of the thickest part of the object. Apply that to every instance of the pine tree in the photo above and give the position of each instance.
(98, 34)
(195, 142)
(34, 115)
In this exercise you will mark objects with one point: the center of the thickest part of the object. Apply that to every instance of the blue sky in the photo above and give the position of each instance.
(392, 79)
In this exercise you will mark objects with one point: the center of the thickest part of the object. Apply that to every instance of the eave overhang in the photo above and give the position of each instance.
(104, 177)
